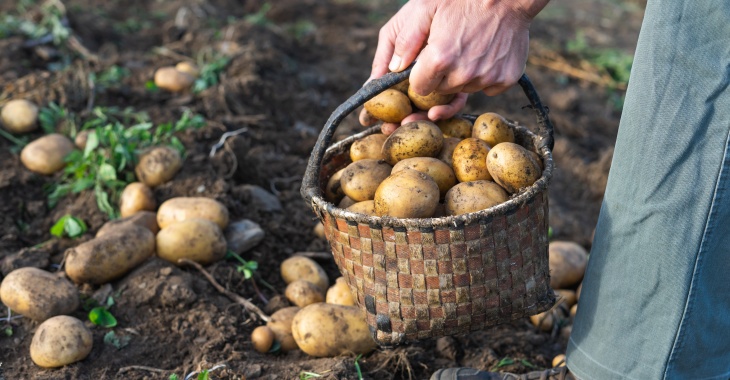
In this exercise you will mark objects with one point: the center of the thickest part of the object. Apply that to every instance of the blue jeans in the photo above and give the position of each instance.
(655, 302)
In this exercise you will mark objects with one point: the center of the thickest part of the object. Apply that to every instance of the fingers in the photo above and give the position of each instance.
(388, 128)
(410, 40)
(366, 119)
(448, 110)
(384, 51)
(429, 71)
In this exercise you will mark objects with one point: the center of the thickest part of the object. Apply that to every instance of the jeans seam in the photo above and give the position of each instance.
(678, 338)
(594, 361)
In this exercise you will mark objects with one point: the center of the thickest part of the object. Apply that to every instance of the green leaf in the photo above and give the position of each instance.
(174, 377)
(275, 347)
(204, 375)
(151, 86)
(60, 226)
(74, 227)
(100, 316)
(8, 331)
(107, 172)
(112, 339)
(92, 142)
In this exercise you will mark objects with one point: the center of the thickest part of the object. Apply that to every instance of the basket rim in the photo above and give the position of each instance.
(516, 201)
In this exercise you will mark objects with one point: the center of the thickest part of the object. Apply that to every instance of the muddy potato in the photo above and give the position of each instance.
(543, 321)
(158, 166)
(559, 360)
(390, 106)
(172, 79)
(304, 268)
(361, 178)
(59, 341)
(493, 129)
(136, 197)
(199, 240)
(262, 339)
(567, 296)
(512, 167)
(402, 86)
(346, 202)
(333, 191)
(179, 209)
(438, 170)
(188, 68)
(470, 160)
(318, 231)
(364, 207)
(407, 194)
(573, 310)
(340, 294)
(473, 196)
(326, 330)
(281, 324)
(82, 137)
(46, 154)
(20, 116)
(457, 127)
(146, 219)
(447, 151)
(370, 146)
(110, 256)
(415, 139)
(38, 294)
(303, 293)
(426, 102)
(568, 262)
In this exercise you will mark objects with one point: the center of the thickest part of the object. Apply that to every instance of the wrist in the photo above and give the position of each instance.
(522, 10)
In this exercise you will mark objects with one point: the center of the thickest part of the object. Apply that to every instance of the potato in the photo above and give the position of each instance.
(262, 338)
(537, 159)
(457, 127)
(402, 86)
(364, 207)
(172, 79)
(326, 330)
(179, 209)
(567, 295)
(426, 102)
(447, 151)
(110, 256)
(303, 293)
(559, 361)
(303, 268)
(470, 160)
(280, 323)
(370, 146)
(20, 116)
(573, 310)
(493, 129)
(438, 170)
(512, 167)
(333, 191)
(318, 230)
(136, 197)
(146, 219)
(82, 137)
(59, 341)
(568, 262)
(46, 154)
(390, 106)
(199, 240)
(407, 194)
(543, 321)
(158, 166)
(38, 294)
(188, 68)
(346, 202)
(340, 294)
(473, 196)
(361, 178)
(415, 139)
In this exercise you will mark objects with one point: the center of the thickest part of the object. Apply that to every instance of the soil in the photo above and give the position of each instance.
(288, 71)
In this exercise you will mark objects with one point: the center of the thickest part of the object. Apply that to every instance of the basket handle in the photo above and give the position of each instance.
(310, 183)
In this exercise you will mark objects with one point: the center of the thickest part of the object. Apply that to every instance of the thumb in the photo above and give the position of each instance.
(411, 37)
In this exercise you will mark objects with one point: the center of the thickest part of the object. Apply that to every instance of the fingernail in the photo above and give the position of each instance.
(394, 63)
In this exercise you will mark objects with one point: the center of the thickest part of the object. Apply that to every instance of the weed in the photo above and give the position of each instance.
(8, 331)
(51, 115)
(304, 375)
(357, 367)
(101, 316)
(70, 226)
(112, 339)
(259, 18)
(52, 25)
(247, 268)
(18, 142)
(109, 78)
(174, 376)
(502, 363)
(210, 74)
(615, 63)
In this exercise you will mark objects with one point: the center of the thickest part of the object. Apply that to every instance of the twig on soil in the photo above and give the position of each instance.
(142, 368)
(315, 255)
(253, 309)
(223, 139)
(575, 72)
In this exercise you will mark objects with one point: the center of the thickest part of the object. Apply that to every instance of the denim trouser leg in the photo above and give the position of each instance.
(656, 297)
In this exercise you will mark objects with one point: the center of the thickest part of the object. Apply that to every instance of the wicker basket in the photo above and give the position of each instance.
(423, 278)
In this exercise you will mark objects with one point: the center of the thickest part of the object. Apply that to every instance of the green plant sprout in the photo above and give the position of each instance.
(101, 316)
(118, 342)
(357, 367)
(304, 375)
(70, 226)
(210, 74)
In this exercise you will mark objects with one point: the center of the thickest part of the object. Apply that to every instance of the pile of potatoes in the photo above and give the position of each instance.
(324, 323)
(426, 169)
(177, 78)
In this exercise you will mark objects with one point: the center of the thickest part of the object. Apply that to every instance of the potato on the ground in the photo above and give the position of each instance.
(59, 341)
(390, 106)
(361, 178)
(108, 257)
(158, 166)
(415, 139)
(493, 129)
(470, 160)
(402, 86)
(325, 330)
(262, 339)
(333, 191)
(199, 240)
(146, 219)
(136, 197)
(447, 151)
(20, 116)
(303, 293)
(319, 230)
(188, 68)
(304, 268)
(568, 262)
(281, 324)
(407, 194)
(171, 79)
(433, 99)
(512, 167)
(346, 202)
(438, 170)
(543, 321)
(82, 137)
(370, 146)
(559, 360)
(179, 209)
(473, 196)
(364, 207)
(38, 294)
(567, 295)
(46, 154)
(340, 294)
(457, 127)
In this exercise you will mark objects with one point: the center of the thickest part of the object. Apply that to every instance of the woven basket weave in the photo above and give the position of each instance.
(423, 278)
